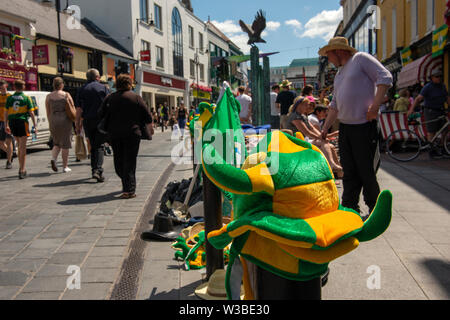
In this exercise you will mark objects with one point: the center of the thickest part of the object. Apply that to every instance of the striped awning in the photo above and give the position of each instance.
(418, 71)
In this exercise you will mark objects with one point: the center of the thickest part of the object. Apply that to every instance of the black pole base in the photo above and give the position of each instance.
(273, 287)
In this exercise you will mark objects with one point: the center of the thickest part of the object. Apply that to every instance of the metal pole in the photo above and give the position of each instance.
(254, 53)
(212, 208)
(273, 287)
(266, 90)
(60, 65)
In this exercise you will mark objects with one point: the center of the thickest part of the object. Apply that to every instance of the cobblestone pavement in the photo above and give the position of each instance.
(51, 221)
(412, 258)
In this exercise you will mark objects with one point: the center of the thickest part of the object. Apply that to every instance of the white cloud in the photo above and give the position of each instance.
(227, 27)
(323, 25)
(297, 25)
(272, 25)
(294, 23)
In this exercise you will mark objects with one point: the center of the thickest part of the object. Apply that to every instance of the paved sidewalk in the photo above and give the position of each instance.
(51, 221)
(412, 256)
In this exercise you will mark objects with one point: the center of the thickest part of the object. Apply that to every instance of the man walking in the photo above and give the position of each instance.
(89, 99)
(359, 89)
(19, 108)
(435, 95)
(284, 100)
(6, 143)
(274, 109)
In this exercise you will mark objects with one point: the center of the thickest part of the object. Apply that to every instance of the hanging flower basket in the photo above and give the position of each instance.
(68, 53)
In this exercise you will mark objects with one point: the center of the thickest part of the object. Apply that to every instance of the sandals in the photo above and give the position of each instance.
(127, 195)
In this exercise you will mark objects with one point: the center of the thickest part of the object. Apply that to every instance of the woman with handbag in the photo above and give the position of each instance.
(126, 120)
(61, 115)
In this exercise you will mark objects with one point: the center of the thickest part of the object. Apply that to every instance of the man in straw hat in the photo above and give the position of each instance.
(435, 95)
(359, 89)
(284, 100)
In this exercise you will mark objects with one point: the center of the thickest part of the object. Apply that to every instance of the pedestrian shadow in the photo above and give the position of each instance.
(29, 175)
(63, 183)
(112, 196)
(11, 178)
(40, 175)
(186, 292)
(440, 270)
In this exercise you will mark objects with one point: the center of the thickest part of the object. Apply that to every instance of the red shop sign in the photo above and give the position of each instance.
(145, 55)
(40, 55)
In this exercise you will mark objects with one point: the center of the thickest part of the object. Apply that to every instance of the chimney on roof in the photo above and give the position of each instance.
(187, 4)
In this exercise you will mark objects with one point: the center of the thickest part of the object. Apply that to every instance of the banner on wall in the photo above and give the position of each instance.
(439, 40)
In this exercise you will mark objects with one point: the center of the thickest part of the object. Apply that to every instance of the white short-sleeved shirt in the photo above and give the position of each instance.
(245, 102)
(274, 111)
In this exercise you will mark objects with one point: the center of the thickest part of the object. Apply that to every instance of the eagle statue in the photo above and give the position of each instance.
(254, 31)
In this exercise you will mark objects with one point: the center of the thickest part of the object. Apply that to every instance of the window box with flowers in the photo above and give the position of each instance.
(65, 62)
(8, 54)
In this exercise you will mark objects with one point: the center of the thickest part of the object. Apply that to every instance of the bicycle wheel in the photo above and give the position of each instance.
(447, 142)
(403, 145)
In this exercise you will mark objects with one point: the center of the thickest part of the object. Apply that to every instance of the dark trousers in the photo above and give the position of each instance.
(125, 158)
(97, 142)
(357, 149)
(275, 122)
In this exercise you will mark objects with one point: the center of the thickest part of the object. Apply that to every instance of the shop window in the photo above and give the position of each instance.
(158, 20)
(177, 37)
(191, 37)
(192, 68)
(159, 57)
(65, 56)
(95, 60)
(200, 42)
(202, 72)
(5, 39)
(144, 10)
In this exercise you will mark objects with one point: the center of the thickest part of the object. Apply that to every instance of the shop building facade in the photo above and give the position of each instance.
(17, 32)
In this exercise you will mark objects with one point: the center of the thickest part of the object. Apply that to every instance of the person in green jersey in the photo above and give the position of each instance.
(19, 108)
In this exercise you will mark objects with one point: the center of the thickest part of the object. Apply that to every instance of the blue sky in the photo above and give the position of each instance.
(296, 28)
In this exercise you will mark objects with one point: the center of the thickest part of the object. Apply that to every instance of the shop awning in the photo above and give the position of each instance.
(418, 71)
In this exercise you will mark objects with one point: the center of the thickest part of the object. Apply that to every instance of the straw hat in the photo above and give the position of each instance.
(214, 289)
(336, 43)
(285, 83)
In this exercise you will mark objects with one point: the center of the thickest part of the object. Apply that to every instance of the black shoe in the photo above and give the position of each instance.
(8, 165)
(53, 165)
(98, 176)
(22, 175)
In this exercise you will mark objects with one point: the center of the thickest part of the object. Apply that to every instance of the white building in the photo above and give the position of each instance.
(171, 33)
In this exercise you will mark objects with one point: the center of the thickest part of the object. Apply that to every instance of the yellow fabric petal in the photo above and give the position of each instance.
(306, 201)
(322, 256)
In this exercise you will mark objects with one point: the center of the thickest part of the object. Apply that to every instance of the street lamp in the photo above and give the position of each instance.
(49, 3)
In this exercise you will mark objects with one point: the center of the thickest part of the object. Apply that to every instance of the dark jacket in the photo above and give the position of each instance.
(89, 98)
(124, 110)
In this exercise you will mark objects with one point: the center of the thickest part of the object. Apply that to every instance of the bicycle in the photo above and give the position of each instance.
(405, 145)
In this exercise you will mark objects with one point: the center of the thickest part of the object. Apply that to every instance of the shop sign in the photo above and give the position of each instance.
(40, 55)
(12, 74)
(145, 55)
(201, 94)
(166, 81)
